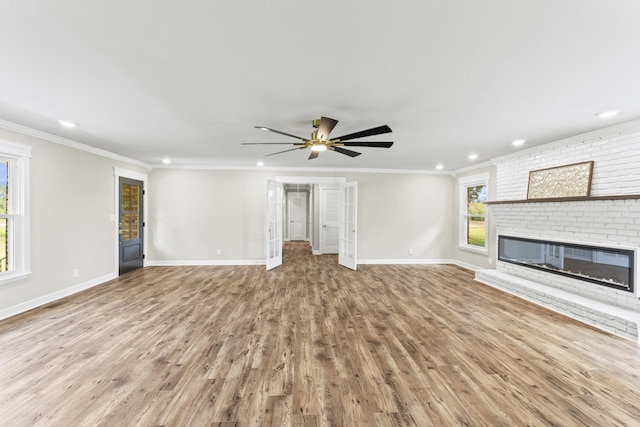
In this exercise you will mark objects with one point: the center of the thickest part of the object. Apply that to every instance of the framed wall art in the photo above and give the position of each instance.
(572, 180)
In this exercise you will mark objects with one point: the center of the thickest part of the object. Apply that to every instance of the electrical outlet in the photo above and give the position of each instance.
(76, 272)
(219, 252)
(410, 251)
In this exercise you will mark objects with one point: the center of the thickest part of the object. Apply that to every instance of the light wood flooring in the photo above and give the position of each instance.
(310, 344)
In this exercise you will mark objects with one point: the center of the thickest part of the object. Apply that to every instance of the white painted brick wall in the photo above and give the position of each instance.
(611, 223)
(616, 159)
(616, 156)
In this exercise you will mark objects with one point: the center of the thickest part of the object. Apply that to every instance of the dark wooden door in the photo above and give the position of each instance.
(131, 227)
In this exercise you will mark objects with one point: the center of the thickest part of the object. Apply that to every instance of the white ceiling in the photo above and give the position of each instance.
(188, 80)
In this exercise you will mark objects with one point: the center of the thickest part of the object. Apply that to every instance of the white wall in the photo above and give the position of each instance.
(398, 212)
(72, 198)
(193, 213)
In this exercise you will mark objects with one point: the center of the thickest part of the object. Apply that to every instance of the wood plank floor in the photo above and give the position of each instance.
(310, 344)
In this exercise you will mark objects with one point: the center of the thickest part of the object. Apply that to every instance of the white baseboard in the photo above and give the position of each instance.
(464, 265)
(173, 263)
(46, 299)
(414, 261)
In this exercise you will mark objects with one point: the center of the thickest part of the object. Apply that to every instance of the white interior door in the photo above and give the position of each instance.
(297, 216)
(275, 195)
(347, 227)
(329, 217)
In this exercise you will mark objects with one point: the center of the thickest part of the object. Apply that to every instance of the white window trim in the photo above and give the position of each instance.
(19, 185)
(463, 183)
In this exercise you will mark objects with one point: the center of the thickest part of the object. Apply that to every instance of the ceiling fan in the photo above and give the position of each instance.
(320, 140)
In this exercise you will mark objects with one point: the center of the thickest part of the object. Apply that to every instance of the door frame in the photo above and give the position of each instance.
(290, 196)
(322, 219)
(138, 176)
(313, 217)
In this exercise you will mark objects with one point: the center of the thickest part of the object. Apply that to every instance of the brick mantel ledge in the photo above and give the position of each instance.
(565, 199)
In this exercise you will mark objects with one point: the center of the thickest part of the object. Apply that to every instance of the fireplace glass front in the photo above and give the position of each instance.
(604, 266)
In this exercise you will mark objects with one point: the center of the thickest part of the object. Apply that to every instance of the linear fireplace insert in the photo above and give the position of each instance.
(605, 266)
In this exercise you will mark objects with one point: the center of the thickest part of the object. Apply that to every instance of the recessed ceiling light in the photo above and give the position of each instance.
(607, 114)
(518, 142)
(67, 123)
(260, 163)
(439, 167)
(472, 156)
(166, 161)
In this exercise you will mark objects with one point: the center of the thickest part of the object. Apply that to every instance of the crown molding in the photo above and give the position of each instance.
(301, 169)
(25, 130)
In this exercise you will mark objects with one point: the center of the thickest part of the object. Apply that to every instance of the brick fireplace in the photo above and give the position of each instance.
(610, 218)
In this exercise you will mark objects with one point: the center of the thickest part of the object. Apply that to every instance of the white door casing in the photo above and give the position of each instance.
(297, 209)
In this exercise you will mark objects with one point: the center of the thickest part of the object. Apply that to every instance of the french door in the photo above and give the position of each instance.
(275, 196)
(347, 224)
(131, 226)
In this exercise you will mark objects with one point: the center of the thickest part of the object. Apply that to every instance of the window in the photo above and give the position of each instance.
(473, 210)
(14, 211)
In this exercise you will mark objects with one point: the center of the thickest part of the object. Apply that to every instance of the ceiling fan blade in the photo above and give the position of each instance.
(313, 155)
(280, 152)
(325, 128)
(381, 144)
(369, 132)
(279, 132)
(344, 151)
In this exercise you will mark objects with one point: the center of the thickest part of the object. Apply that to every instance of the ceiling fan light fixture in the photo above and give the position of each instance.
(318, 147)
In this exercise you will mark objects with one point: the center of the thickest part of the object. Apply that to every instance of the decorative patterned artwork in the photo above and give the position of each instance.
(561, 181)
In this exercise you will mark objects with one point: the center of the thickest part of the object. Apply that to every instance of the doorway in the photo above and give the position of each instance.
(296, 214)
(131, 225)
(141, 181)
(344, 209)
